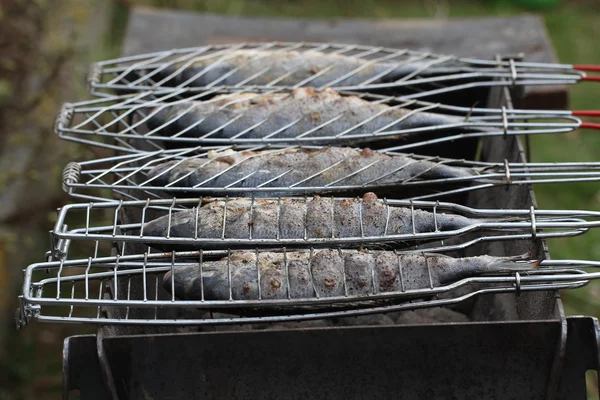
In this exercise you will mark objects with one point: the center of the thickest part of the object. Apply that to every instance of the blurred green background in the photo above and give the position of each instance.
(51, 43)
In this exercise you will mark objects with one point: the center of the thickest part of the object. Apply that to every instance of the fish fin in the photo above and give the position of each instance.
(159, 169)
(519, 257)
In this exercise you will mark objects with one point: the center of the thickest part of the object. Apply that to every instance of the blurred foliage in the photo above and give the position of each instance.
(38, 49)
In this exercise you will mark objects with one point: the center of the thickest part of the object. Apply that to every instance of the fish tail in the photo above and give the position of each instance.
(514, 266)
(521, 262)
(159, 169)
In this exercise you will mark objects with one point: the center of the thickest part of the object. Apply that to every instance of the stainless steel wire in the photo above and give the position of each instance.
(227, 170)
(66, 291)
(340, 66)
(159, 120)
(397, 222)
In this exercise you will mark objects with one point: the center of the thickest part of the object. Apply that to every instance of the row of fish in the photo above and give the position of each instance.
(301, 114)
(302, 274)
(266, 136)
(311, 113)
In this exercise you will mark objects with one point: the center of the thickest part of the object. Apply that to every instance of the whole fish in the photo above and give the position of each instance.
(326, 273)
(299, 167)
(293, 218)
(301, 112)
(283, 68)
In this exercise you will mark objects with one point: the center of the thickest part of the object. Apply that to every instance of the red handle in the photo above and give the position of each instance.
(589, 125)
(586, 113)
(587, 67)
(591, 78)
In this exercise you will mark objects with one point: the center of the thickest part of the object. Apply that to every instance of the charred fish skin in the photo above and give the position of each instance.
(323, 113)
(298, 218)
(327, 273)
(313, 168)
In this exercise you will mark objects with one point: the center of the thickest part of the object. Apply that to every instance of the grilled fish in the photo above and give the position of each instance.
(299, 167)
(302, 112)
(326, 273)
(283, 68)
(293, 218)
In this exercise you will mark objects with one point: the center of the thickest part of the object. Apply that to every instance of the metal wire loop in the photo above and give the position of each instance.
(513, 72)
(70, 176)
(533, 227)
(63, 118)
(507, 172)
(504, 122)
(93, 76)
(435, 221)
(412, 216)
(517, 283)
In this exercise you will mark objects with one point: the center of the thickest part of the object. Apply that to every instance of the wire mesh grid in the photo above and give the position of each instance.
(320, 65)
(191, 224)
(81, 290)
(68, 292)
(301, 117)
(271, 171)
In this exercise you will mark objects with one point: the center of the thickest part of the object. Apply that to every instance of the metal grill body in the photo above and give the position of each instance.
(405, 361)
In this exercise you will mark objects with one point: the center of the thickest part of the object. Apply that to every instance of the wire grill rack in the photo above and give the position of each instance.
(77, 291)
(340, 66)
(412, 176)
(159, 121)
(215, 223)
(124, 288)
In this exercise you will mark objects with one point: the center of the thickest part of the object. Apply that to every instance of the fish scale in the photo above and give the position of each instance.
(318, 218)
(317, 168)
(326, 113)
(321, 66)
(331, 273)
